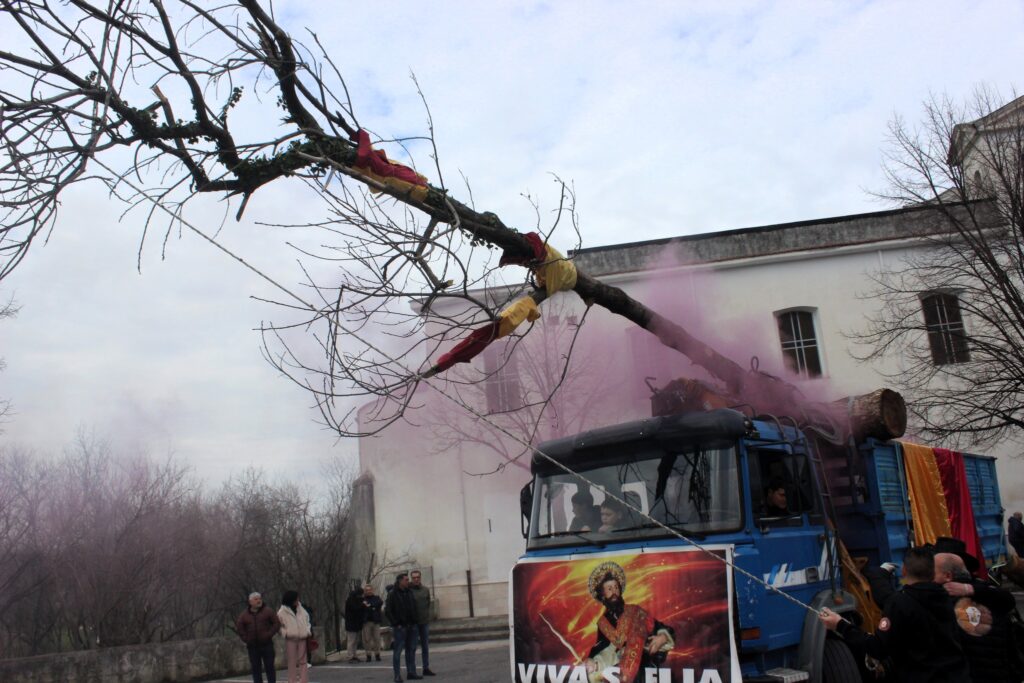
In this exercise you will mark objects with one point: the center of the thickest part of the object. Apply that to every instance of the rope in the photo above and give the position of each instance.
(457, 401)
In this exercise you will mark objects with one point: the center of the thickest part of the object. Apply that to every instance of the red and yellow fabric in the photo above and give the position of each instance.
(927, 500)
(513, 316)
(953, 477)
(374, 164)
(553, 272)
(557, 273)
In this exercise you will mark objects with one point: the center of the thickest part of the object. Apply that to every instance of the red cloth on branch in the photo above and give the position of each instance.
(471, 346)
(958, 502)
(539, 252)
(377, 161)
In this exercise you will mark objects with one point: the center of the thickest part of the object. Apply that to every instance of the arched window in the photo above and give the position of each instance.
(799, 342)
(945, 326)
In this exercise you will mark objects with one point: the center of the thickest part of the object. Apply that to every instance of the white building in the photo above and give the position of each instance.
(789, 294)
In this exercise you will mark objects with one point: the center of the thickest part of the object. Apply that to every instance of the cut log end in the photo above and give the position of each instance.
(882, 414)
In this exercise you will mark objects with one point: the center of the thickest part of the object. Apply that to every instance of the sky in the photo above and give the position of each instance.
(669, 118)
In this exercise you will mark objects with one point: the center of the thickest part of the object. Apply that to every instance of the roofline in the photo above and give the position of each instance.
(755, 229)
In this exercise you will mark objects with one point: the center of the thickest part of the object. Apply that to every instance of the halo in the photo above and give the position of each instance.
(597, 577)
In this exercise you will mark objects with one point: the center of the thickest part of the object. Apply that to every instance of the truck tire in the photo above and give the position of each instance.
(838, 664)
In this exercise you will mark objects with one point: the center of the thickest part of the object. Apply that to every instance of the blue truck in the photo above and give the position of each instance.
(726, 581)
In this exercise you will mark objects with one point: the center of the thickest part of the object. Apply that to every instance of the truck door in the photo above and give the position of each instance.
(789, 537)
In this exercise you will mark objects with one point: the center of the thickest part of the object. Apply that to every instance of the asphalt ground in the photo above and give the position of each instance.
(483, 662)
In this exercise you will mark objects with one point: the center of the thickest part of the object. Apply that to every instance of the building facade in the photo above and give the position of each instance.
(790, 299)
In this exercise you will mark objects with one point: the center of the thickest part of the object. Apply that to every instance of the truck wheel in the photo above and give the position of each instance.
(838, 664)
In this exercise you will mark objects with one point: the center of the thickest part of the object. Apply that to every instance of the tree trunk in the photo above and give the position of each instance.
(881, 414)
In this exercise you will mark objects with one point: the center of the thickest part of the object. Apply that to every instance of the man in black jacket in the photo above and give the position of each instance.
(1015, 533)
(982, 613)
(354, 623)
(400, 609)
(918, 631)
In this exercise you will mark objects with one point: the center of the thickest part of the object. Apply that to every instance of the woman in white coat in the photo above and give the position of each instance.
(295, 629)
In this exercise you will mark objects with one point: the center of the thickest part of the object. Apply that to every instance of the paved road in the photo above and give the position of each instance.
(485, 662)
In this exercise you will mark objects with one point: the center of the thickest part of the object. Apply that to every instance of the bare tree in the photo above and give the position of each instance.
(99, 549)
(953, 311)
(7, 310)
(145, 99)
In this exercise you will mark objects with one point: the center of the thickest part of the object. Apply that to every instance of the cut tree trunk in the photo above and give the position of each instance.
(882, 414)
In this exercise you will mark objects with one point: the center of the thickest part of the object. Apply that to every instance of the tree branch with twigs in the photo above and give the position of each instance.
(146, 100)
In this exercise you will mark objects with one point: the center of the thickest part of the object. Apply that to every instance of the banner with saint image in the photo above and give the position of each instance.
(646, 616)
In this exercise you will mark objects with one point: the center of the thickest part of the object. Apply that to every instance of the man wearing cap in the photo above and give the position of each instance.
(256, 626)
(627, 636)
(982, 613)
(918, 631)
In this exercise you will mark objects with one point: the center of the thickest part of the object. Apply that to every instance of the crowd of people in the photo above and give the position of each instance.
(943, 625)
(407, 611)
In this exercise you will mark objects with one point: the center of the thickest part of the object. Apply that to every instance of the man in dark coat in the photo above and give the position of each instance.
(400, 609)
(354, 623)
(256, 626)
(982, 613)
(918, 631)
(1015, 533)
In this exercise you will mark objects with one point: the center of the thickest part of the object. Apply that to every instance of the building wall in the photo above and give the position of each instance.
(455, 521)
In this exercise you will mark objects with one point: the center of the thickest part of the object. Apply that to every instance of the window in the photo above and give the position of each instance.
(771, 470)
(799, 342)
(945, 327)
(501, 385)
(693, 489)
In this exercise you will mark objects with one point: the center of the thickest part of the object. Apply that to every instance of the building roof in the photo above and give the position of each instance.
(730, 245)
(965, 135)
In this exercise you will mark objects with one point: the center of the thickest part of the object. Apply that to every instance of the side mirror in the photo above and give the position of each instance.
(525, 508)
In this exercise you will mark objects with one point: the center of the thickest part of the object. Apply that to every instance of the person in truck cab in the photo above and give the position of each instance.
(775, 502)
(586, 515)
(613, 515)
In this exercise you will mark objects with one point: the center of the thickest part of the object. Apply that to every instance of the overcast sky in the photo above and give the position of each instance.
(670, 118)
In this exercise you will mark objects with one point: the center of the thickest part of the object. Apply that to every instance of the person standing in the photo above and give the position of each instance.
(256, 626)
(295, 629)
(354, 624)
(982, 613)
(1015, 533)
(422, 595)
(918, 630)
(372, 605)
(400, 610)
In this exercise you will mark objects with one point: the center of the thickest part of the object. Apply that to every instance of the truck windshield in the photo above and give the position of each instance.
(695, 490)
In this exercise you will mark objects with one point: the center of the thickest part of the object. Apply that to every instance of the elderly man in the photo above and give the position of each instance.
(982, 613)
(256, 626)
(372, 605)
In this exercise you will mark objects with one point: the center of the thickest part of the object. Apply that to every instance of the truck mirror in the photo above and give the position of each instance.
(526, 507)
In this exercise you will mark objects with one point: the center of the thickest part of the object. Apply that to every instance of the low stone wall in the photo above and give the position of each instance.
(173, 662)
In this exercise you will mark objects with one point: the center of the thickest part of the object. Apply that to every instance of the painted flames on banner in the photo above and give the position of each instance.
(556, 619)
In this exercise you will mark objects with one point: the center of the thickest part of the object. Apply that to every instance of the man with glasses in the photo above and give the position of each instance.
(422, 596)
